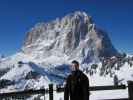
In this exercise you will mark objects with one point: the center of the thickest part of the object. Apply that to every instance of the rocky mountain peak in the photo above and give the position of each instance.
(72, 20)
(75, 36)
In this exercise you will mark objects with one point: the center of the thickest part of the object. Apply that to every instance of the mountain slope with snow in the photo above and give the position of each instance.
(49, 47)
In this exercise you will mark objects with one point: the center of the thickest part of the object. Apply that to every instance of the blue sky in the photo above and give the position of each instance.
(18, 16)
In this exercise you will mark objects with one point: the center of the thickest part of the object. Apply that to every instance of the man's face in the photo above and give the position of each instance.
(74, 67)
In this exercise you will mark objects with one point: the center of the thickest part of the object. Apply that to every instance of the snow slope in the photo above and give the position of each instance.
(49, 48)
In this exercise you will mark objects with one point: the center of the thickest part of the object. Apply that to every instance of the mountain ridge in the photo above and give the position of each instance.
(74, 35)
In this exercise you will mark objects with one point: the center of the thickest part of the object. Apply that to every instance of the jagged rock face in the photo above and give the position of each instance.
(74, 35)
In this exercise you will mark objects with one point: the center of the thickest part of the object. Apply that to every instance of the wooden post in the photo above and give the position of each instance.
(44, 93)
(130, 90)
(50, 91)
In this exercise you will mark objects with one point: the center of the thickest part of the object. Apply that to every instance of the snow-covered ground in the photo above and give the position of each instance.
(99, 95)
(55, 74)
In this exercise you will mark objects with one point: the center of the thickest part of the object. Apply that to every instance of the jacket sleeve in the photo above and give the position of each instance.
(66, 90)
(85, 88)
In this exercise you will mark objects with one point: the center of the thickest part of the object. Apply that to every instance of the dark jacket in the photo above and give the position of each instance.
(77, 86)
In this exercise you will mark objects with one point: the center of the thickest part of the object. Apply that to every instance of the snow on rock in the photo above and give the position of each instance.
(75, 36)
(48, 49)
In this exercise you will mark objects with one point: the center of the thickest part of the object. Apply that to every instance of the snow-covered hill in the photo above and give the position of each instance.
(19, 67)
(26, 75)
(49, 48)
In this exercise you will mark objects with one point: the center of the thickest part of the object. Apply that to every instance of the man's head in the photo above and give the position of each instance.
(74, 65)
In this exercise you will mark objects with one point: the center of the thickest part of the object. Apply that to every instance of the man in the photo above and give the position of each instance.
(77, 84)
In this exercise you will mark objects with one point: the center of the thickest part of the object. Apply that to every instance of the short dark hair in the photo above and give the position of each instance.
(75, 62)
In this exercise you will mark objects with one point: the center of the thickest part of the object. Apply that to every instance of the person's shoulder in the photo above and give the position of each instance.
(69, 77)
(84, 76)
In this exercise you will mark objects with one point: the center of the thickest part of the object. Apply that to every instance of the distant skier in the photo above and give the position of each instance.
(77, 84)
